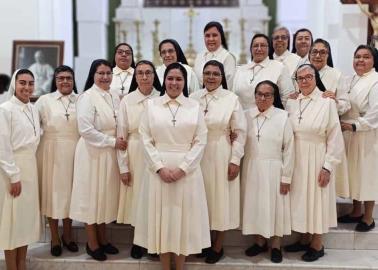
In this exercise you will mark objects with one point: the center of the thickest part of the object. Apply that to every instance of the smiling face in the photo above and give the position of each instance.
(64, 82)
(212, 77)
(280, 41)
(306, 80)
(24, 87)
(144, 76)
(363, 61)
(264, 97)
(123, 57)
(213, 39)
(303, 43)
(103, 77)
(259, 49)
(168, 53)
(174, 83)
(319, 55)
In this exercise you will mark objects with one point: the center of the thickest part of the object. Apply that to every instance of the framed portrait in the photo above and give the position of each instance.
(41, 58)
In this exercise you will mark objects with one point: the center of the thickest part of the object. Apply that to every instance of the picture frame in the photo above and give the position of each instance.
(41, 58)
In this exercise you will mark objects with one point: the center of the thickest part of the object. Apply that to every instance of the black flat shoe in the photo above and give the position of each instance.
(71, 246)
(56, 250)
(362, 226)
(276, 255)
(109, 249)
(204, 253)
(136, 252)
(256, 250)
(297, 246)
(349, 219)
(213, 256)
(312, 254)
(97, 254)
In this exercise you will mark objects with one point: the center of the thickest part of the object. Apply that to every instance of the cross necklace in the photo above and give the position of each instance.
(111, 106)
(302, 111)
(255, 74)
(173, 114)
(67, 115)
(353, 83)
(30, 119)
(122, 81)
(207, 104)
(259, 127)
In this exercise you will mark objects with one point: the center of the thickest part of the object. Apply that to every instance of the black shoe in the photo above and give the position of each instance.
(349, 219)
(109, 249)
(297, 246)
(312, 254)
(213, 256)
(152, 255)
(71, 246)
(362, 226)
(56, 250)
(97, 254)
(204, 253)
(276, 255)
(256, 250)
(136, 252)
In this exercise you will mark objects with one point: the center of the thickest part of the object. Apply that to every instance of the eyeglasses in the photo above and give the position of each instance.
(147, 73)
(212, 74)
(320, 52)
(362, 57)
(103, 74)
(169, 51)
(307, 78)
(261, 46)
(283, 37)
(266, 95)
(64, 78)
(126, 52)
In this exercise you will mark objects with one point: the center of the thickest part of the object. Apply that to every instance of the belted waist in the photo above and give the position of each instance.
(310, 137)
(60, 135)
(24, 151)
(271, 156)
(173, 147)
(111, 132)
(216, 134)
(133, 135)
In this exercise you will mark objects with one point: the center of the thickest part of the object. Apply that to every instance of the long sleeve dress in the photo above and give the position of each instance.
(95, 189)
(223, 114)
(173, 216)
(56, 152)
(249, 75)
(132, 160)
(268, 162)
(318, 144)
(362, 145)
(19, 137)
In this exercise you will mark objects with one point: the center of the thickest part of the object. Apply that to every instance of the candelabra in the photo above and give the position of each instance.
(190, 52)
(138, 54)
(155, 44)
(243, 55)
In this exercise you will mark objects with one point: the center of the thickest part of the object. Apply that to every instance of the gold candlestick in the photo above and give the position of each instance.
(190, 52)
(138, 54)
(155, 41)
(226, 31)
(243, 55)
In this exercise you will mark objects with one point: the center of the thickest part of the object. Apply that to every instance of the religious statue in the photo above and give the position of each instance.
(373, 18)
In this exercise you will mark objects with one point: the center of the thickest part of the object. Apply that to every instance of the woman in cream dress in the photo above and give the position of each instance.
(302, 42)
(221, 160)
(267, 172)
(360, 126)
(19, 202)
(95, 189)
(123, 69)
(318, 149)
(262, 68)
(144, 86)
(57, 113)
(216, 49)
(172, 218)
(320, 57)
(170, 52)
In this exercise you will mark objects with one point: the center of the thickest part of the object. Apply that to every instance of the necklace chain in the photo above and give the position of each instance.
(173, 114)
(31, 120)
(302, 111)
(259, 127)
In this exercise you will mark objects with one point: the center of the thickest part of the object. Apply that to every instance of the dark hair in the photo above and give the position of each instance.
(24, 71)
(132, 54)
(92, 70)
(270, 50)
(294, 50)
(4, 82)
(373, 52)
(184, 74)
(156, 83)
(328, 47)
(59, 69)
(221, 68)
(219, 27)
(318, 81)
(179, 53)
(276, 92)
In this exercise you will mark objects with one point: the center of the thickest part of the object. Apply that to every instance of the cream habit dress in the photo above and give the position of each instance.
(268, 162)
(132, 160)
(290, 60)
(362, 145)
(318, 143)
(19, 217)
(191, 77)
(173, 217)
(121, 81)
(249, 75)
(56, 152)
(223, 116)
(95, 190)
